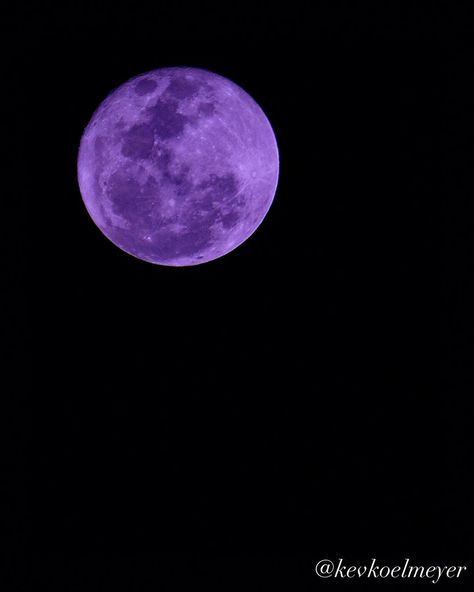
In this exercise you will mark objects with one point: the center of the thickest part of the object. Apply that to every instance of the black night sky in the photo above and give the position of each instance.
(305, 396)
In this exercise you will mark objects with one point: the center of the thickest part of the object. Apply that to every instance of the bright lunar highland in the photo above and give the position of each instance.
(178, 166)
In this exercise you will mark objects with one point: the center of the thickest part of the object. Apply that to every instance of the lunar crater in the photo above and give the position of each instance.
(182, 88)
(145, 86)
(138, 141)
(206, 109)
(165, 120)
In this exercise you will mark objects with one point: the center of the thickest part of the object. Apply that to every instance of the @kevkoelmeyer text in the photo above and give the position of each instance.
(338, 569)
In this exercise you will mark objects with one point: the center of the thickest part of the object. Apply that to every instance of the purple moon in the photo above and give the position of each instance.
(178, 166)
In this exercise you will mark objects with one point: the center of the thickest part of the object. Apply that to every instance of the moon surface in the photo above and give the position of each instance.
(178, 166)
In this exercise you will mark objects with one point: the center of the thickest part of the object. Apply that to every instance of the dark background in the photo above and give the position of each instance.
(306, 396)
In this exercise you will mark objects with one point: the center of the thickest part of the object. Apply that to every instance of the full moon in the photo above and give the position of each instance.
(178, 166)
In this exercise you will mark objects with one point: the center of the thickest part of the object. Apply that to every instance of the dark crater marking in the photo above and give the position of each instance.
(138, 142)
(182, 88)
(206, 109)
(132, 201)
(221, 189)
(181, 181)
(165, 121)
(230, 220)
(145, 86)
